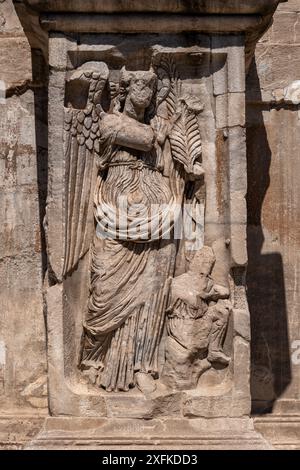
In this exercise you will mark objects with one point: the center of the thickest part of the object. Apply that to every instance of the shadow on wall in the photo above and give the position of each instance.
(40, 88)
(271, 369)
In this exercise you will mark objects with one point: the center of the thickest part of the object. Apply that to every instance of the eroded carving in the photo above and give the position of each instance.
(197, 321)
(135, 146)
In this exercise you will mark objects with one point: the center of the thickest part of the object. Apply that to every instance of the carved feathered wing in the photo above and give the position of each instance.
(81, 147)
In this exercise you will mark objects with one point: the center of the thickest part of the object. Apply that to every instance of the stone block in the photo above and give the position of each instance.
(236, 109)
(236, 67)
(179, 434)
(281, 431)
(9, 21)
(22, 306)
(59, 47)
(276, 68)
(20, 223)
(285, 29)
(241, 363)
(221, 111)
(220, 76)
(15, 62)
(237, 161)
(291, 5)
(241, 324)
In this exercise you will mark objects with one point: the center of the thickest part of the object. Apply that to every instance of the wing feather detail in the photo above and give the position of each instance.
(80, 176)
(81, 149)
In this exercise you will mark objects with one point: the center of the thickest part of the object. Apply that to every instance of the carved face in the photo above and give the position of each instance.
(203, 261)
(140, 93)
(137, 87)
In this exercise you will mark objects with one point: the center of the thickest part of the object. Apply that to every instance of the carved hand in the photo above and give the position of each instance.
(218, 292)
(196, 173)
(163, 128)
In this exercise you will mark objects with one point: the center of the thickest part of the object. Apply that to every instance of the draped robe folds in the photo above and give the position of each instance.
(130, 278)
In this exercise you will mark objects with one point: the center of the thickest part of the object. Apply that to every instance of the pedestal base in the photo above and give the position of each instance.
(282, 431)
(133, 434)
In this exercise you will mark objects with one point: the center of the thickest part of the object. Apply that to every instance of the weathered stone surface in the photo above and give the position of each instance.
(222, 111)
(23, 371)
(205, 134)
(276, 69)
(281, 432)
(111, 6)
(274, 244)
(64, 253)
(291, 5)
(16, 432)
(273, 241)
(15, 62)
(241, 324)
(137, 406)
(236, 109)
(206, 407)
(220, 77)
(21, 306)
(9, 22)
(138, 23)
(287, 30)
(182, 434)
(236, 66)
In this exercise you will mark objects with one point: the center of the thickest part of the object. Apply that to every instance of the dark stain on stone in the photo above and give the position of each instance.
(221, 172)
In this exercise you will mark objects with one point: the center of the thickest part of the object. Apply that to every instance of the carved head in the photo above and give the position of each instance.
(138, 86)
(203, 261)
(224, 306)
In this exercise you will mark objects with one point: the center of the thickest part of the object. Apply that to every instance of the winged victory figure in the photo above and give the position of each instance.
(136, 141)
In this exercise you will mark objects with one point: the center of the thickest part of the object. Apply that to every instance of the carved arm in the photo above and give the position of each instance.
(128, 132)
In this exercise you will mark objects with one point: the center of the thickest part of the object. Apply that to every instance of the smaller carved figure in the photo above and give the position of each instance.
(198, 316)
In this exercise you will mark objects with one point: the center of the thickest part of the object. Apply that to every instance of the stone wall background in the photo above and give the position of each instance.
(23, 163)
(274, 217)
(273, 139)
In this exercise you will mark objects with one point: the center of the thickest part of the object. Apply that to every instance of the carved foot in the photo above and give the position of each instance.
(219, 357)
(145, 383)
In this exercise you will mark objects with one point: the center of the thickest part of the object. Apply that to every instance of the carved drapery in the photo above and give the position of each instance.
(138, 141)
(157, 119)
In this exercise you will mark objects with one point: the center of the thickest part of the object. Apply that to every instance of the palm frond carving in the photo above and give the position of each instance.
(185, 135)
